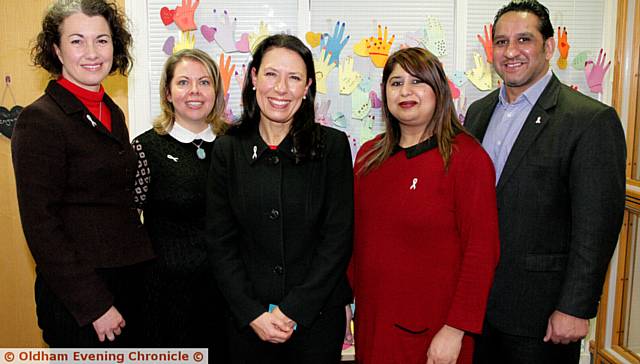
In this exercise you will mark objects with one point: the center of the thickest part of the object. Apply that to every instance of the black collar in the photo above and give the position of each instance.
(416, 150)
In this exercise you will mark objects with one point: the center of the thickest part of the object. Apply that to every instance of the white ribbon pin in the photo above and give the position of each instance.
(538, 120)
(255, 152)
(413, 184)
(93, 123)
(175, 159)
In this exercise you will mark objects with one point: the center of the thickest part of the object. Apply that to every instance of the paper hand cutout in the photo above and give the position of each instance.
(455, 91)
(480, 76)
(595, 72)
(487, 42)
(339, 120)
(323, 68)
(226, 70)
(334, 44)
(413, 39)
(168, 45)
(376, 103)
(240, 76)
(313, 39)
(377, 49)
(461, 107)
(563, 48)
(458, 78)
(360, 101)
(256, 38)
(366, 129)
(322, 113)
(361, 48)
(228, 113)
(184, 15)
(349, 79)
(435, 37)
(224, 35)
(187, 41)
(580, 59)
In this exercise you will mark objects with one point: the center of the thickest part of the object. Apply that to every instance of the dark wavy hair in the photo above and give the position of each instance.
(444, 124)
(529, 6)
(306, 133)
(43, 53)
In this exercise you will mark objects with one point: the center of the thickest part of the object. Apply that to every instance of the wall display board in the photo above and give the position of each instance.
(338, 32)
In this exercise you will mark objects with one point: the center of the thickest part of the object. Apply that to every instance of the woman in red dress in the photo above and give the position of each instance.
(426, 228)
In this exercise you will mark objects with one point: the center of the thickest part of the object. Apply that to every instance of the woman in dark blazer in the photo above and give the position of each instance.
(280, 214)
(75, 171)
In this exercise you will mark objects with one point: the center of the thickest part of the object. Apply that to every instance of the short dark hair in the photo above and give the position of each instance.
(304, 130)
(43, 53)
(529, 6)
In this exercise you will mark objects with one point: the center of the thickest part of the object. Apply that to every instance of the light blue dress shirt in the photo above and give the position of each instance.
(507, 121)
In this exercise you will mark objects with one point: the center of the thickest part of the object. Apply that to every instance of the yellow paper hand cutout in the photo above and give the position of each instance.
(256, 38)
(480, 76)
(349, 79)
(379, 48)
(323, 68)
(187, 41)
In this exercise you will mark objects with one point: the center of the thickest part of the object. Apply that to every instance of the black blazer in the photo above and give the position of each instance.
(74, 183)
(561, 201)
(280, 232)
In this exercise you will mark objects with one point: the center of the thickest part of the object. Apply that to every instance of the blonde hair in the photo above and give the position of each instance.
(164, 122)
(444, 124)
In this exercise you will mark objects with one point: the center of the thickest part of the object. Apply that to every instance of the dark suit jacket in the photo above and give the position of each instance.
(561, 201)
(280, 232)
(74, 182)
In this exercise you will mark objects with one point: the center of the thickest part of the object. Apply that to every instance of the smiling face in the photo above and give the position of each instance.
(85, 50)
(520, 55)
(280, 84)
(410, 100)
(191, 92)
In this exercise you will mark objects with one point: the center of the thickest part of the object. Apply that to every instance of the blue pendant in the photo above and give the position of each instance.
(201, 153)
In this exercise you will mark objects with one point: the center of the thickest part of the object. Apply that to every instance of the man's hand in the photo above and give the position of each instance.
(445, 346)
(564, 329)
(271, 328)
(109, 325)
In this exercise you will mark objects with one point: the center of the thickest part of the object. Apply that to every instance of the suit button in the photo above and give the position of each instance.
(121, 152)
(274, 214)
(275, 160)
(278, 270)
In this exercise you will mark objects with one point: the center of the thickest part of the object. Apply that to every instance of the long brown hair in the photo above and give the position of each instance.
(444, 124)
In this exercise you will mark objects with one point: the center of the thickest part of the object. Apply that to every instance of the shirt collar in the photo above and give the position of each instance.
(530, 95)
(184, 135)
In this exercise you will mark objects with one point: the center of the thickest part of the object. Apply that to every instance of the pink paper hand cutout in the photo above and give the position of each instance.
(184, 16)
(594, 72)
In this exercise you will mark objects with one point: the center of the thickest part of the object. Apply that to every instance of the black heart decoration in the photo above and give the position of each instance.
(8, 119)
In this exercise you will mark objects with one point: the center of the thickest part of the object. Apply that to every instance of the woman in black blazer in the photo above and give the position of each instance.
(75, 171)
(280, 216)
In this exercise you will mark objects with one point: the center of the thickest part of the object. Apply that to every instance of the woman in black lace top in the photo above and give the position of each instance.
(173, 164)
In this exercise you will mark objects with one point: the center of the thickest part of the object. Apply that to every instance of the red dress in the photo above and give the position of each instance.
(426, 246)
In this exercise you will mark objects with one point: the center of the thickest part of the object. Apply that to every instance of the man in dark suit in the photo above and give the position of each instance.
(560, 172)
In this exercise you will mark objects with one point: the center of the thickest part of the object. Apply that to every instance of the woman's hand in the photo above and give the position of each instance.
(271, 328)
(445, 346)
(109, 325)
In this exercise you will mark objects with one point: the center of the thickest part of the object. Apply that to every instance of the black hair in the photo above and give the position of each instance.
(529, 6)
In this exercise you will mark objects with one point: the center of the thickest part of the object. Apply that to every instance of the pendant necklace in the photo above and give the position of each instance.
(200, 152)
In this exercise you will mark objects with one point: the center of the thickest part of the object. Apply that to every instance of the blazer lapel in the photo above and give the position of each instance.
(536, 121)
(480, 123)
